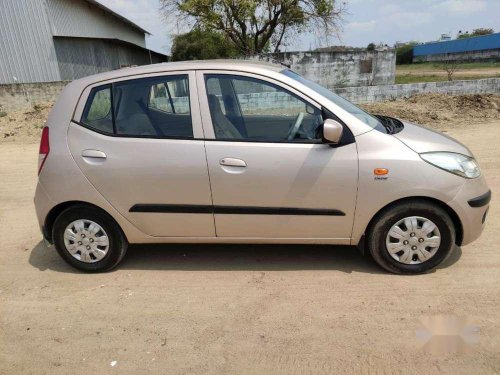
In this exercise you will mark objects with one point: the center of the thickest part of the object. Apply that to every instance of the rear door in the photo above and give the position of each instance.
(270, 173)
(138, 141)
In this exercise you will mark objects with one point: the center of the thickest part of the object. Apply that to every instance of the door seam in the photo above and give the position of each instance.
(205, 145)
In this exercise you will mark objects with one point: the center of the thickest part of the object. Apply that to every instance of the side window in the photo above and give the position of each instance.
(97, 113)
(214, 88)
(170, 97)
(250, 109)
(154, 107)
(158, 98)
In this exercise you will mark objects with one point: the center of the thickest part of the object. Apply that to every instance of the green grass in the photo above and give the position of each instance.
(435, 66)
(480, 65)
(409, 78)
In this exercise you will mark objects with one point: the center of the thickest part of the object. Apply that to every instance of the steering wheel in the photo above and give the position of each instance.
(296, 126)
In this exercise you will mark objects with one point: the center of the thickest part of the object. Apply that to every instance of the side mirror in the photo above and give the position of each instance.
(332, 131)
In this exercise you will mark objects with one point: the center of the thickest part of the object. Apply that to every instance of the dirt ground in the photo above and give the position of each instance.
(441, 111)
(238, 309)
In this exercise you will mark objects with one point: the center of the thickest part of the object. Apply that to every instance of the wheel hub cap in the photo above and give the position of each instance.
(413, 240)
(86, 241)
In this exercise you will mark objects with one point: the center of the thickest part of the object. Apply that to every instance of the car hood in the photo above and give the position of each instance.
(421, 139)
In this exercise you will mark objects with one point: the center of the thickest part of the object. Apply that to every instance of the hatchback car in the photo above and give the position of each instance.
(241, 152)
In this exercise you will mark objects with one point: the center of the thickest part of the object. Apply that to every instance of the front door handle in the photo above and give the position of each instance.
(232, 162)
(95, 154)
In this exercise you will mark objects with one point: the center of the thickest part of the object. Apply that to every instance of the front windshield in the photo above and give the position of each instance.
(338, 100)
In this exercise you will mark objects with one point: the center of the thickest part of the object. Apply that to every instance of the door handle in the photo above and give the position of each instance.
(95, 154)
(232, 162)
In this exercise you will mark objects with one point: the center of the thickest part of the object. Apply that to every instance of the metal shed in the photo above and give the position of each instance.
(478, 47)
(53, 40)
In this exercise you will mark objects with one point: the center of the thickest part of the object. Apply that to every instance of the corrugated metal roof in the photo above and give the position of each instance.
(79, 18)
(126, 20)
(476, 43)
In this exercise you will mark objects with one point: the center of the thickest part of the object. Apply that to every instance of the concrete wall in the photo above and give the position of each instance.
(372, 94)
(487, 55)
(15, 97)
(21, 96)
(339, 69)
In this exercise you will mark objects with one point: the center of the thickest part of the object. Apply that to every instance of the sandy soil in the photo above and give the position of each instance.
(24, 125)
(237, 309)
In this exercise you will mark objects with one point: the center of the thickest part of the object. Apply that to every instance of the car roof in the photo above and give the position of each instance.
(236, 65)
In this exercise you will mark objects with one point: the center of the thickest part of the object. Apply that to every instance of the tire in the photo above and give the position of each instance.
(109, 233)
(411, 261)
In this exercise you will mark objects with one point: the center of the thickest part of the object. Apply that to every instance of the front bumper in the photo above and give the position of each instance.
(471, 205)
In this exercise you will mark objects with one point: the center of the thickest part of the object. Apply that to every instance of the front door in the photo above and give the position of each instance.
(136, 143)
(271, 177)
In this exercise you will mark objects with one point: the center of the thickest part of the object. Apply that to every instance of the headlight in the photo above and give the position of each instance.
(458, 164)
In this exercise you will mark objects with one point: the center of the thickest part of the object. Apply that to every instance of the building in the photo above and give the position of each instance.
(477, 48)
(58, 40)
(340, 67)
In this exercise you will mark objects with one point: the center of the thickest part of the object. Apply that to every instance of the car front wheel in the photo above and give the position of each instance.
(89, 239)
(412, 237)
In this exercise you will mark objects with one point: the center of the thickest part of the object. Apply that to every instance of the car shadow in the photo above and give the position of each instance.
(231, 257)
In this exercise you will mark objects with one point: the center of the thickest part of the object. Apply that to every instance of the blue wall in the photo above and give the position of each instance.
(476, 43)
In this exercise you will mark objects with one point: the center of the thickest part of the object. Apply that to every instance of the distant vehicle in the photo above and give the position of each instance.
(240, 152)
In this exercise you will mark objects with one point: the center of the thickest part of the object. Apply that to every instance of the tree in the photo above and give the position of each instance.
(202, 45)
(449, 66)
(256, 26)
(404, 54)
(476, 32)
(371, 47)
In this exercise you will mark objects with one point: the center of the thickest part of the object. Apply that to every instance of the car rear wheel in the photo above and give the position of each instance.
(89, 239)
(411, 238)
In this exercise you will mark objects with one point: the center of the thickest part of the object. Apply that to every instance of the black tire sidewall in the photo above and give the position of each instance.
(117, 242)
(438, 216)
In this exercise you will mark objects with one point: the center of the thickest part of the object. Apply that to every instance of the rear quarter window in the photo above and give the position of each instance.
(97, 112)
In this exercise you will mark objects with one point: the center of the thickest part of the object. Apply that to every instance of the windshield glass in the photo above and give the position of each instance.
(338, 100)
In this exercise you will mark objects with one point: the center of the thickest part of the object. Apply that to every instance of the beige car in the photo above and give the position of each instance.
(240, 152)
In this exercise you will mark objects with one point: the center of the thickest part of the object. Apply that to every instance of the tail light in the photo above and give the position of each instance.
(44, 148)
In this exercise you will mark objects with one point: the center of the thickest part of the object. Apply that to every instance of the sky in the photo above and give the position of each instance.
(378, 21)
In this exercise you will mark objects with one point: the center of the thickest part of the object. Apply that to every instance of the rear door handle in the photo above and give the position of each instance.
(232, 162)
(95, 154)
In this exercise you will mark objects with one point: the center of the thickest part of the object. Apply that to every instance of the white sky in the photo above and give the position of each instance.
(368, 21)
